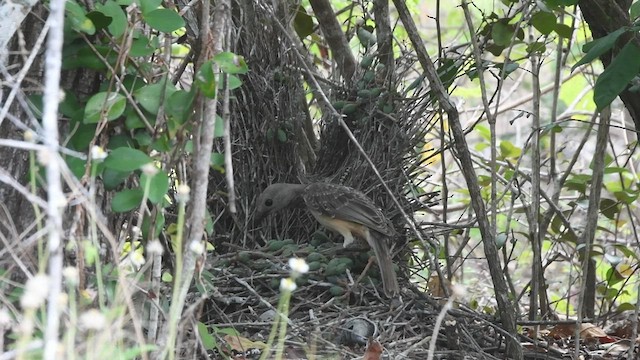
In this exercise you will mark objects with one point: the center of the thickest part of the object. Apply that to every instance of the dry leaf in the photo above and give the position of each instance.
(374, 350)
(242, 344)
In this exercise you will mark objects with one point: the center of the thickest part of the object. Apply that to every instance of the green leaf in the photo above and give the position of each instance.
(179, 105)
(219, 130)
(113, 105)
(501, 34)
(164, 20)
(118, 24)
(147, 6)
(150, 96)
(126, 200)
(501, 239)
(231, 63)
(76, 16)
(543, 21)
(217, 162)
(634, 10)
(609, 208)
(77, 166)
(126, 159)
(112, 178)
(626, 196)
(564, 31)
(158, 187)
(143, 46)
(598, 47)
(616, 76)
(303, 23)
(234, 82)
(99, 19)
(536, 47)
(208, 341)
(143, 138)
(82, 136)
(206, 80)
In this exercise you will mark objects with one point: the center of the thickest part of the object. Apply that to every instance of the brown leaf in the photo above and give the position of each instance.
(374, 350)
(242, 344)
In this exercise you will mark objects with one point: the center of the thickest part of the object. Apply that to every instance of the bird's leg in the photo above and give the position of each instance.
(348, 239)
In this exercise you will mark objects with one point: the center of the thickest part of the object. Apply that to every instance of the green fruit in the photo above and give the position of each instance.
(244, 256)
(275, 245)
(375, 92)
(338, 105)
(349, 109)
(274, 283)
(288, 241)
(315, 256)
(318, 238)
(260, 265)
(367, 61)
(364, 94)
(315, 265)
(289, 250)
(336, 291)
(369, 76)
(387, 108)
(270, 134)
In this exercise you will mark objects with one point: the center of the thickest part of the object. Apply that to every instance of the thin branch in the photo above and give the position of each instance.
(56, 198)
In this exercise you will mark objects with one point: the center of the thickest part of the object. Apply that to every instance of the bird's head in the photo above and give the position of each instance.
(277, 197)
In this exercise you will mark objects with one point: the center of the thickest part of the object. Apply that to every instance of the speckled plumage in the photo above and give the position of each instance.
(342, 209)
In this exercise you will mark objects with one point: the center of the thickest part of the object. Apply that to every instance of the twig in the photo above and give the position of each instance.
(592, 216)
(56, 198)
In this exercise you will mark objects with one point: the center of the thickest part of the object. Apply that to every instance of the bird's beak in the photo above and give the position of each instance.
(258, 217)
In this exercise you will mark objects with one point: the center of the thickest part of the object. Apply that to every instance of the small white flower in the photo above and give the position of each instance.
(137, 259)
(149, 169)
(183, 193)
(92, 320)
(35, 292)
(196, 247)
(287, 284)
(70, 274)
(98, 153)
(298, 267)
(44, 157)
(29, 136)
(154, 247)
(5, 318)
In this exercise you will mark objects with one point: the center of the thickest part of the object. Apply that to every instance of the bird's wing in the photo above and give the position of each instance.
(345, 203)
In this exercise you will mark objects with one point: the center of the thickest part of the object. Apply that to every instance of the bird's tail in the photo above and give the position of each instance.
(389, 279)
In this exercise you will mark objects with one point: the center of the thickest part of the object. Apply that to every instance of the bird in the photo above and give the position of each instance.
(341, 209)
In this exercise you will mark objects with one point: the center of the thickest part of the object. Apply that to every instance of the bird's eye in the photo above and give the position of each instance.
(268, 202)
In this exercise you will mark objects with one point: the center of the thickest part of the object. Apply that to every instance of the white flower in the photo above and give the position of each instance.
(137, 259)
(298, 267)
(29, 136)
(92, 320)
(183, 193)
(149, 169)
(196, 247)
(35, 292)
(70, 274)
(98, 153)
(288, 284)
(154, 247)
(5, 318)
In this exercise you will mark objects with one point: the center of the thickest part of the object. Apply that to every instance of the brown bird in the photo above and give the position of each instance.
(342, 209)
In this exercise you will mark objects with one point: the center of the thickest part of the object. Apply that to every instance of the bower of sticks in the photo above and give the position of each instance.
(283, 134)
